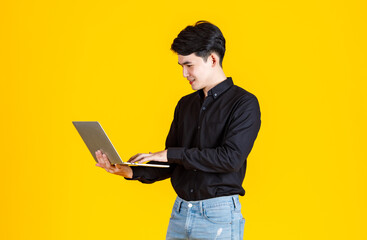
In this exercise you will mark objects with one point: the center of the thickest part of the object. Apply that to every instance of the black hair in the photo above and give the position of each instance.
(203, 39)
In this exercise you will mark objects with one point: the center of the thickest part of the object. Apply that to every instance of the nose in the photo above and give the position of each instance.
(184, 72)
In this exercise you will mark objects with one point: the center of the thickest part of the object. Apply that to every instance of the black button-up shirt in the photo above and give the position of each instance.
(208, 143)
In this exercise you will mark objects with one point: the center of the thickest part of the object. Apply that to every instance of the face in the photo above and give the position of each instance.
(196, 70)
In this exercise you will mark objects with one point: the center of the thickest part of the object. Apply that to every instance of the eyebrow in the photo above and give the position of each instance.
(185, 63)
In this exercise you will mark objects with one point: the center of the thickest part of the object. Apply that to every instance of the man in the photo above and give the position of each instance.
(211, 135)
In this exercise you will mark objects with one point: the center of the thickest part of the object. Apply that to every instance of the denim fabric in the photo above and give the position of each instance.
(215, 218)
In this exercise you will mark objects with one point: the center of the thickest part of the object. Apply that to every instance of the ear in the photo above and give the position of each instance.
(214, 59)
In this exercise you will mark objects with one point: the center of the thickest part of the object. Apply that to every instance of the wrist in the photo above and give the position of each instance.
(129, 173)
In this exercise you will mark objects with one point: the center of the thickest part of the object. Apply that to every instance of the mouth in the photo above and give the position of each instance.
(191, 81)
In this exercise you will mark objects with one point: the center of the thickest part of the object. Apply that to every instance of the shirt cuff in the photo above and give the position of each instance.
(175, 155)
(137, 173)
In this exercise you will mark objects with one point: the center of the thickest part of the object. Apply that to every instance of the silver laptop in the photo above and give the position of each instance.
(95, 138)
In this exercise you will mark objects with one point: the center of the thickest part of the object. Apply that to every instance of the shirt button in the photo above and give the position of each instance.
(204, 108)
(190, 205)
(215, 94)
(198, 127)
(191, 190)
(194, 170)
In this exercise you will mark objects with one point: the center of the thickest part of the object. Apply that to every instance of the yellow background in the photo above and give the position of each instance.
(110, 61)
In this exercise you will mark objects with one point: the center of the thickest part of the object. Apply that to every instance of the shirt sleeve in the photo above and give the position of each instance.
(152, 174)
(232, 153)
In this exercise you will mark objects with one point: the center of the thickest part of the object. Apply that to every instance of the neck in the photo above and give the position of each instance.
(217, 78)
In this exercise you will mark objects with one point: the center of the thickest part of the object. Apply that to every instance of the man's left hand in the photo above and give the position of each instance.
(146, 157)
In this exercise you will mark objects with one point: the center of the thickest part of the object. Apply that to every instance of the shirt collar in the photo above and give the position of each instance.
(218, 89)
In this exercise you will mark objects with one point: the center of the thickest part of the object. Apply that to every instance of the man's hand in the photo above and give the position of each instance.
(146, 157)
(117, 169)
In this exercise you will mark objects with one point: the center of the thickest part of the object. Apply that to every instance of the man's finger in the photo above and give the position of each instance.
(140, 157)
(133, 157)
(97, 155)
(99, 159)
(146, 159)
(105, 159)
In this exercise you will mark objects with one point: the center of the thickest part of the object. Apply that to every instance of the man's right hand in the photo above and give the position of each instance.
(117, 169)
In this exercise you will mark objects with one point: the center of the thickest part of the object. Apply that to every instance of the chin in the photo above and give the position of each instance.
(195, 88)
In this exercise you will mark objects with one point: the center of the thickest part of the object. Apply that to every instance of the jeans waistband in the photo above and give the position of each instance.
(225, 200)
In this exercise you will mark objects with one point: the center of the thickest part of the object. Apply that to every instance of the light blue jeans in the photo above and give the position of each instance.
(215, 218)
